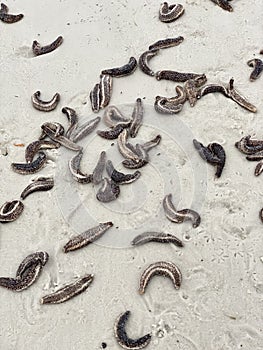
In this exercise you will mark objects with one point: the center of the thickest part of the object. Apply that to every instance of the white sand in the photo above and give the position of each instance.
(219, 305)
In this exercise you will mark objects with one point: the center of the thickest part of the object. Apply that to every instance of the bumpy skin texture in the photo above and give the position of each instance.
(30, 168)
(249, 146)
(98, 171)
(41, 184)
(113, 133)
(37, 257)
(166, 43)
(87, 237)
(18, 284)
(121, 178)
(105, 89)
(219, 152)
(113, 116)
(224, 4)
(95, 98)
(108, 192)
(180, 216)
(69, 291)
(175, 76)
(228, 91)
(74, 167)
(257, 64)
(124, 150)
(254, 150)
(137, 116)
(259, 168)
(73, 120)
(159, 237)
(214, 154)
(144, 61)
(170, 13)
(160, 268)
(10, 211)
(238, 98)
(42, 50)
(55, 131)
(163, 106)
(45, 106)
(122, 338)
(27, 272)
(85, 129)
(212, 88)
(9, 18)
(34, 147)
(126, 69)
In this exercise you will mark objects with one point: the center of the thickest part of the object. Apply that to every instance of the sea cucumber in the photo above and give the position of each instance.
(85, 129)
(113, 133)
(144, 61)
(105, 89)
(18, 284)
(40, 184)
(249, 146)
(87, 237)
(191, 88)
(212, 88)
(30, 168)
(147, 146)
(127, 69)
(119, 177)
(179, 216)
(255, 156)
(53, 128)
(37, 257)
(159, 237)
(98, 171)
(166, 43)
(239, 99)
(10, 211)
(180, 98)
(95, 98)
(122, 338)
(224, 4)
(34, 147)
(170, 13)
(131, 164)
(161, 268)
(219, 152)
(41, 50)
(163, 106)
(45, 106)
(137, 116)
(175, 76)
(112, 115)
(73, 120)
(213, 154)
(125, 151)
(205, 153)
(52, 131)
(9, 18)
(108, 192)
(257, 64)
(27, 272)
(74, 167)
(259, 168)
(69, 291)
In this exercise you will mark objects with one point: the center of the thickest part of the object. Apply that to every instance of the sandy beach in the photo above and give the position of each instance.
(219, 305)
